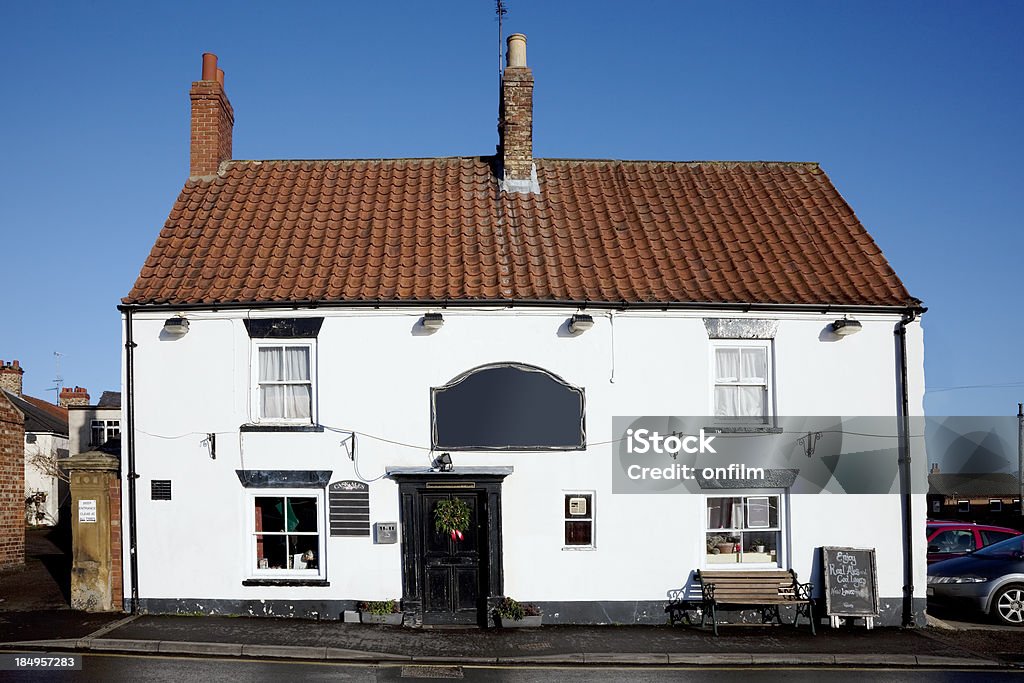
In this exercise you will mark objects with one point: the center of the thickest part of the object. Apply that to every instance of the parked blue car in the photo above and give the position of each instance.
(990, 580)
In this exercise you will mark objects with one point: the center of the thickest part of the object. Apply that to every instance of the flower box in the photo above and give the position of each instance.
(394, 619)
(526, 622)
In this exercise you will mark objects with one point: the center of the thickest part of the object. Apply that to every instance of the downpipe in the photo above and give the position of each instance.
(909, 618)
(133, 555)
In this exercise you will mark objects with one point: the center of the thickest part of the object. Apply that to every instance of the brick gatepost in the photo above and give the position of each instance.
(12, 484)
(96, 578)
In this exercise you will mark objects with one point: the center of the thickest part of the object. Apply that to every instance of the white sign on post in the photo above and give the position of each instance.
(87, 511)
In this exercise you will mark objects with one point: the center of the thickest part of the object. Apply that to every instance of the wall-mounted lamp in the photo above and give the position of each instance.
(580, 322)
(443, 463)
(433, 321)
(846, 326)
(176, 326)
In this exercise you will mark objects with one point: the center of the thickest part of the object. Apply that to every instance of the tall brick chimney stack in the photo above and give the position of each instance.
(10, 376)
(515, 120)
(213, 120)
(73, 397)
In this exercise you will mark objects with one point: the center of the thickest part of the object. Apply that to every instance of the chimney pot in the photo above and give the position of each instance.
(213, 121)
(516, 54)
(11, 377)
(515, 121)
(209, 66)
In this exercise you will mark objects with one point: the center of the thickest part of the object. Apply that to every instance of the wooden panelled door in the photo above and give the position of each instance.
(454, 571)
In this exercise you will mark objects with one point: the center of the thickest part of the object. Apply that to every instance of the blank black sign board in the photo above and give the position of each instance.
(851, 582)
(349, 503)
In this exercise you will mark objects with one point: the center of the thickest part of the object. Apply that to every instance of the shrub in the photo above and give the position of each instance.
(380, 607)
(510, 609)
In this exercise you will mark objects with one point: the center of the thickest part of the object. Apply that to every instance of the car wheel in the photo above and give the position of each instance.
(1008, 606)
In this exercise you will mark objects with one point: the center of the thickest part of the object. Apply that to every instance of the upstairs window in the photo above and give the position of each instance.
(103, 431)
(742, 386)
(284, 381)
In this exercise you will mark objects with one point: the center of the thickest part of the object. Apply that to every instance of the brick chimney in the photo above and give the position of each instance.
(73, 397)
(213, 120)
(515, 120)
(10, 376)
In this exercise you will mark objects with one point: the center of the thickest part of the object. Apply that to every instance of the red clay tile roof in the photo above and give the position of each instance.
(55, 411)
(40, 416)
(434, 229)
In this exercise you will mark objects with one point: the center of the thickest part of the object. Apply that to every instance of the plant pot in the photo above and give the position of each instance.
(758, 548)
(726, 548)
(525, 622)
(394, 619)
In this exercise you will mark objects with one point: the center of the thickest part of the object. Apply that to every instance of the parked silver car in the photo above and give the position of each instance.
(990, 580)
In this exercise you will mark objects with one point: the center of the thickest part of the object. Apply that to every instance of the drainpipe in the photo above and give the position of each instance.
(905, 473)
(133, 556)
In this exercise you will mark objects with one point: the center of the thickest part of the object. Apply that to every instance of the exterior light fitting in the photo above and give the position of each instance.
(443, 463)
(580, 322)
(433, 321)
(846, 326)
(176, 326)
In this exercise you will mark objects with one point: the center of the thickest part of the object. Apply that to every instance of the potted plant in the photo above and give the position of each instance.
(512, 614)
(758, 544)
(380, 612)
(452, 516)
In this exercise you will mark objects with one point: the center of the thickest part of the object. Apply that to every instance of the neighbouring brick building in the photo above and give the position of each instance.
(981, 497)
(12, 484)
(45, 443)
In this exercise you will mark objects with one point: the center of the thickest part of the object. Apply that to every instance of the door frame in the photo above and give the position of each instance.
(411, 487)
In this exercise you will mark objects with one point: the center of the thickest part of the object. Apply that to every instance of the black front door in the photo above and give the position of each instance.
(453, 568)
(446, 580)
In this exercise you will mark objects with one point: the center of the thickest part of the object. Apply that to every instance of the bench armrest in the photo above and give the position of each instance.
(804, 590)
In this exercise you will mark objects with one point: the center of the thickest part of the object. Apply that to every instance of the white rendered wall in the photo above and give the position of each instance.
(40, 457)
(375, 371)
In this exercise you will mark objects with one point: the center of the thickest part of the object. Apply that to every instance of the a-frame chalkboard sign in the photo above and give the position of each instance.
(851, 584)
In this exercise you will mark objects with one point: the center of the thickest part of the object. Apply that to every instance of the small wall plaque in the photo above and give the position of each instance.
(87, 511)
(385, 532)
(349, 503)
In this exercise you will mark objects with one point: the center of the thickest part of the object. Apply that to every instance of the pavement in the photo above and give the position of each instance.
(35, 616)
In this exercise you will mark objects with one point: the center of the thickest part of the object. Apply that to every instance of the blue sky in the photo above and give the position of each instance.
(913, 108)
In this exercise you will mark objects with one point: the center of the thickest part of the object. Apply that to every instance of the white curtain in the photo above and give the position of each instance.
(285, 391)
(744, 366)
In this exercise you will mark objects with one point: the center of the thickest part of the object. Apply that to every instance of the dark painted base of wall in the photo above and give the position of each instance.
(890, 613)
(622, 612)
(320, 610)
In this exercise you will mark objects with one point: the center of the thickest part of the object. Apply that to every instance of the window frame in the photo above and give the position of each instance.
(963, 506)
(995, 505)
(591, 517)
(253, 571)
(781, 553)
(769, 414)
(255, 391)
(108, 427)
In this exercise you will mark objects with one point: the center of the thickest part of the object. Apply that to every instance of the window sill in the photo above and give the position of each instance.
(743, 429)
(579, 548)
(280, 427)
(286, 582)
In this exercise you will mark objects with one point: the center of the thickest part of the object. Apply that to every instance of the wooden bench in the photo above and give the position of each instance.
(766, 589)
